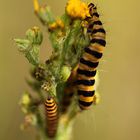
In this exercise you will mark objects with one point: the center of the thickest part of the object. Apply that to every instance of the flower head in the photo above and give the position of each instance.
(56, 24)
(25, 102)
(77, 9)
(36, 5)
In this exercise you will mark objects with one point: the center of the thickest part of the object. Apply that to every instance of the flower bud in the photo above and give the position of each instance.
(34, 35)
(65, 73)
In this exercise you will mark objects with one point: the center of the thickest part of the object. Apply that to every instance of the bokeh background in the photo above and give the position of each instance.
(117, 117)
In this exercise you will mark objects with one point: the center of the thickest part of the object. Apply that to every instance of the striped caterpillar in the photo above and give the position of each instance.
(69, 91)
(52, 116)
(90, 59)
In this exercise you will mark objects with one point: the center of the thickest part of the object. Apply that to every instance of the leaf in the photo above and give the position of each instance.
(45, 15)
(66, 19)
(22, 44)
(33, 55)
(30, 46)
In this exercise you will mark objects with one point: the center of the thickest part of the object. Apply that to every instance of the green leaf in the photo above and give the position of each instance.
(66, 19)
(65, 73)
(45, 15)
(34, 35)
(33, 55)
(22, 44)
(30, 46)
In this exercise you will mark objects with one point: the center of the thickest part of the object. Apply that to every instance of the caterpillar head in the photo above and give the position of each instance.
(92, 8)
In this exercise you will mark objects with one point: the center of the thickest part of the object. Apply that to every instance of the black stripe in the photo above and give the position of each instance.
(52, 118)
(94, 53)
(87, 73)
(95, 14)
(85, 82)
(101, 30)
(49, 106)
(69, 94)
(86, 104)
(86, 93)
(52, 114)
(99, 41)
(91, 5)
(87, 18)
(95, 8)
(94, 23)
(51, 109)
(89, 30)
(54, 122)
(91, 25)
(97, 22)
(89, 63)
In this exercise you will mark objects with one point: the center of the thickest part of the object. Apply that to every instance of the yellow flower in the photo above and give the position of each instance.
(60, 23)
(25, 102)
(25, 99)
(57, 24)
(52, 26)
(36, 5)
(77, 9)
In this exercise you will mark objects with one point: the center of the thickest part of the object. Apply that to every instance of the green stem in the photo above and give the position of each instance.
(64, 129)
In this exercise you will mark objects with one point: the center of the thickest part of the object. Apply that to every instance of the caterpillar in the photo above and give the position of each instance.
(67, 98)
(51, 116)
(69, 91)
(90, 59)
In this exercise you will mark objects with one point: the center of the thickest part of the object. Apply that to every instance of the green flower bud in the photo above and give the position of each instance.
(25, 102)
(34, 35)
(65, 73)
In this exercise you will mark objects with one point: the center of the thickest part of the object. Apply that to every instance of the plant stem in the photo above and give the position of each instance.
(64, 128)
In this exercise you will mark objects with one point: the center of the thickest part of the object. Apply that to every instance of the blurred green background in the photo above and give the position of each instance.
(117, 117)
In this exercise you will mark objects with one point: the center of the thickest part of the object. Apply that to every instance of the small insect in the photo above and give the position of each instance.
(90, 59)
(51, 116)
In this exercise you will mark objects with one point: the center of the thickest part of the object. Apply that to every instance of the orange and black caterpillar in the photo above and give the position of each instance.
(51, 116)
(90, 59)
(69, 91)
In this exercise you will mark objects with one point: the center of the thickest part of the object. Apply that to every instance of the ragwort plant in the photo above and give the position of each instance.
(65, 83)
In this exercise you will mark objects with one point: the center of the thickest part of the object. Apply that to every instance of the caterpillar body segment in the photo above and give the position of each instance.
(67, 99)
(69, 90)
(51, 116)
(90, 59)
